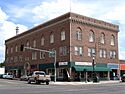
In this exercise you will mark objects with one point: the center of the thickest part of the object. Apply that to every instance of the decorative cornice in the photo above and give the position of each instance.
(96, 23)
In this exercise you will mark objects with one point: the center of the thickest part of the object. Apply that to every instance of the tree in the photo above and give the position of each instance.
(2, 64)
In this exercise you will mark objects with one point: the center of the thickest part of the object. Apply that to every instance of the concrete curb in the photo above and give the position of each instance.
(83, 83)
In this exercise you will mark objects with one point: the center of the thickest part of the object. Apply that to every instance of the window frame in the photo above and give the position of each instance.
(63, 35)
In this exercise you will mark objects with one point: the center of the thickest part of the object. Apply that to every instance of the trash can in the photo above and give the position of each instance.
(96, 79)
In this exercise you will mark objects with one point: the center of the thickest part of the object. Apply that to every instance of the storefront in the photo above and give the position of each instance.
(76, 71)
(122, 69)
(115, 71)
(16, 71)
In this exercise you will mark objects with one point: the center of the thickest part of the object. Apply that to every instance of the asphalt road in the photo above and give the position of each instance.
(21, 87)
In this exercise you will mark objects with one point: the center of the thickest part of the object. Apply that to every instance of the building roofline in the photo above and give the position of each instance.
(74, 17)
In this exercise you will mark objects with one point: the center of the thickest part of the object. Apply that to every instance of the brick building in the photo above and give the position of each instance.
(78, 41)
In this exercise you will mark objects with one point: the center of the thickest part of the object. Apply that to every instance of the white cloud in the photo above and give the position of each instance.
(7, 30)
(52, 9)
(104, 10)
(3, 16)
(107, 10)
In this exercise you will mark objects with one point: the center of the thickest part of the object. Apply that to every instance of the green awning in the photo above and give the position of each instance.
(89, 68)
(79, 68)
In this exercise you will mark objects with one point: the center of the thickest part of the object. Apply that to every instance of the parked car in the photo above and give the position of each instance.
(24, 78)
(8, 76)
(1, 75)
(123, 78)
(39, 77)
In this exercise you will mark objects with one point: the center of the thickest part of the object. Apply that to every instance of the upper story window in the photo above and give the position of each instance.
(112, 40)
(16, 48)
(42, 55)
(51, 38)
(91, 52)
(112, 54)
(63, 35)
(102, 53)
(102, 38)
(42, 41)
(79, 51)
(7, 50)
(63, 51)
(34, 43)
(91, 36)
(79, 34)
(11, 50)
(27, 44)
(34, 55)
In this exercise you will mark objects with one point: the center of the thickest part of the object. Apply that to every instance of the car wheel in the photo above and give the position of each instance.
(47, 83)
(29, 82)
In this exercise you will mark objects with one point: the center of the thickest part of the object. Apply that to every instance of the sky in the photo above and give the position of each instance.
(29, 13)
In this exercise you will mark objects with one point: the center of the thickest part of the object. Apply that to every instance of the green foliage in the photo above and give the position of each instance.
(2, 64)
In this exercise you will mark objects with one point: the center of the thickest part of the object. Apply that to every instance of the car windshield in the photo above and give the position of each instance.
(40, 73)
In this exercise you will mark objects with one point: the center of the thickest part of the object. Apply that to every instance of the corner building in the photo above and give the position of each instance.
(77, 39)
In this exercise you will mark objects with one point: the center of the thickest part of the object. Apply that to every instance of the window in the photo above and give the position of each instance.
(42, 55)
(51, 71)
(7, 50)
(15, 58)
(112, 40)
(51, 38)
(79, 34)
(16, 48)
(20, 58)
(112, 54)
(91, 52)
(11, 50)
(42, 41)
(63, 51)
(102, 38)
(91, 36)
(27, 44)
(34, 43)
(79, 51)
(102, 53)
(34, 55)
(63, 36)
(61, 72)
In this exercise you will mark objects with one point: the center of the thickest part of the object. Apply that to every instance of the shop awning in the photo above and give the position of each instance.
(122, 66)
(89, 68)
(79, 68)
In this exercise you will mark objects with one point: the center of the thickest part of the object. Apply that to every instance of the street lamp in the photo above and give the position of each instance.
(93, 67)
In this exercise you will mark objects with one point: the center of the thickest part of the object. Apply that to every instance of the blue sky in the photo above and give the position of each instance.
(29, 13)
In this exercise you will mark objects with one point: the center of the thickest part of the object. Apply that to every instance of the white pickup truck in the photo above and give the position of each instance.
(38, 77)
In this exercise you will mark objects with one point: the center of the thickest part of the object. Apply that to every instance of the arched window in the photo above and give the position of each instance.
(102, 38)
(112, 40)
(63, 35)
(42, 41)
(27, 44)
(79, 34)
(34, 43)
(51, 38)
(16, 48)
(91, 36)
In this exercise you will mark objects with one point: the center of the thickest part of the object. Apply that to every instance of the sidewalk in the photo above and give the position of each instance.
(84, 83)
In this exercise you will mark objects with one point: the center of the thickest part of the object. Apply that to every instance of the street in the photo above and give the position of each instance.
(21, 87)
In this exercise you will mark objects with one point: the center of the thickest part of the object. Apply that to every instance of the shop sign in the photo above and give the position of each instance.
(63, 63)
(113, 65)
(84, 63)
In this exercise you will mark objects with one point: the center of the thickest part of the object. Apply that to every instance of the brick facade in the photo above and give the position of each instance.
(68, 22)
